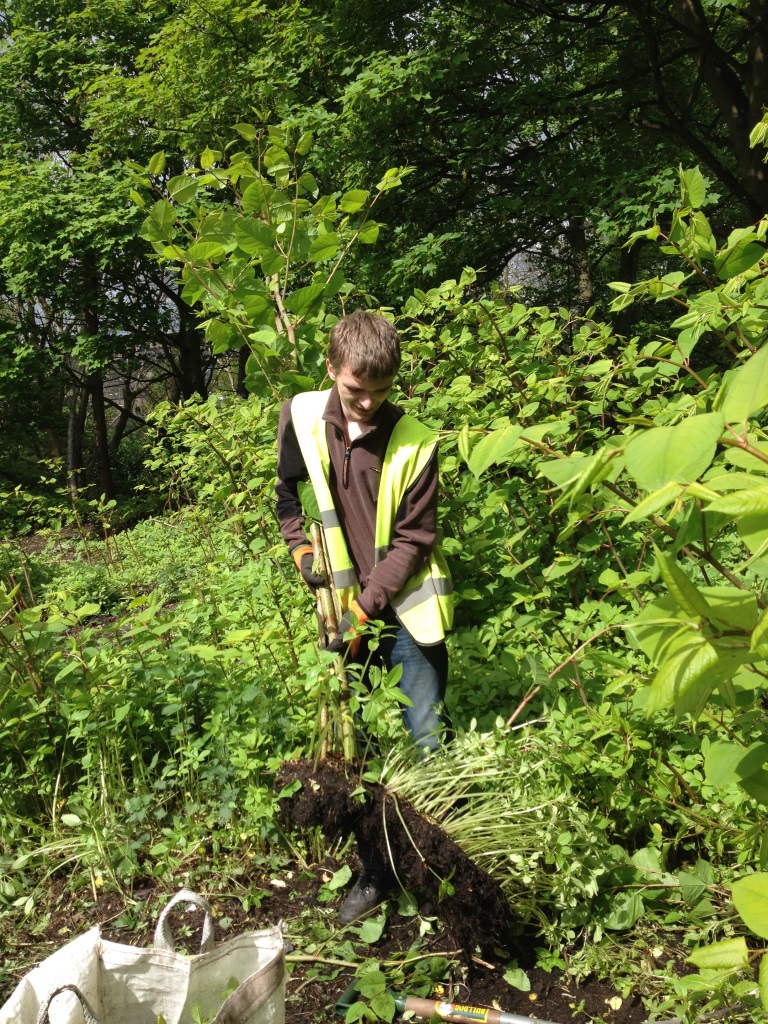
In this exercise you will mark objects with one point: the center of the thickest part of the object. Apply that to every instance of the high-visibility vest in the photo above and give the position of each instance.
(425, 604)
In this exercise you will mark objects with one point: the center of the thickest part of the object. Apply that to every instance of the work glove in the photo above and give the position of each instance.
(304, 557)
(350, 623)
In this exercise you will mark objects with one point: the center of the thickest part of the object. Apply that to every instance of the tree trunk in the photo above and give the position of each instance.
(95, 386)
(242, 361)
(740, 91)
(576, 237)
(78, 408)
(191, 364)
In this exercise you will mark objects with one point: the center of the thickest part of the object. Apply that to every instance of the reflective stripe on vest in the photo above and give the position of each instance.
(425, 604)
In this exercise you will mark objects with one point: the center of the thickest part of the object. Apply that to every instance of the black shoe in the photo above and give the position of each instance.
(363, 898)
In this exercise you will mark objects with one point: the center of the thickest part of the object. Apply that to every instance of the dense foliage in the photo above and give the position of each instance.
(175, 259)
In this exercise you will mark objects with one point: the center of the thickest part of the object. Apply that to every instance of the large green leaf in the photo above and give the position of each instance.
(163, 214)
(756, 785)
(182, 188)
(749, 502)
(353, 200)
(686, 594)
(738, 258)
(301, 301)
(494, 448)
(762, 981)
(747, 389)
(254, 236)
(691, 663)
(693, 188)
(562, 471)
(324, 247)
(728, 953)
(726, 763)
(680, 453)
(626, 911)
(750, 895)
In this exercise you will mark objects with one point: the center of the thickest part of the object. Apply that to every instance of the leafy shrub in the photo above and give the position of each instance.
(82, 584)
(30, 572)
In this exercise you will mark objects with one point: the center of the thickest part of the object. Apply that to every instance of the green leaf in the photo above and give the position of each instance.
(654, 502)
(751, 502)
(372, 929)
(756, 785)
(164, 215)
(308, 500)
(272, 263)
(257, 196)
(340, 878)
(760, 633)
(205, 252)
(182, 188)
(517, 978)
(693, 188)
(277, 161)
(254, 236)
(353, 200)
(747, 390)
(678, 674)
(393, 177)
(207, 158)
(122, 712)
(383, 1005)
(157, 164)
(727, 763)
(750, 896)
(369, 232)
(726, 954)
(304, 145)
(762, 981)
(303, 299)
(688, 597)
(627, 910)
(680, 453)
(494, 448)
(324, 247)
(70, 820)
(691, 887)
(247, 131)
(738, 258)
(308, 183)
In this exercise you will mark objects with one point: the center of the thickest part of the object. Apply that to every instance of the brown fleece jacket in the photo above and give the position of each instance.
(354, 488)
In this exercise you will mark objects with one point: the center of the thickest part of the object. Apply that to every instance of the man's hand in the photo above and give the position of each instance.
(304, 557)
(350, 623)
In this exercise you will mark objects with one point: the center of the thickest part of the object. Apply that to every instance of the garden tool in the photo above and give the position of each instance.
(427, 1009)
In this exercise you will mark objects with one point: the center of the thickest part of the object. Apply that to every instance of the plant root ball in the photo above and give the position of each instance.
(419, 852)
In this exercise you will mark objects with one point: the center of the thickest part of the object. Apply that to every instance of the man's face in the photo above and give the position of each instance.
(360, 396)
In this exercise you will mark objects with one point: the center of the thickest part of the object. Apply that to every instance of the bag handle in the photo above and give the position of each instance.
(88, 1015)
(164, 938)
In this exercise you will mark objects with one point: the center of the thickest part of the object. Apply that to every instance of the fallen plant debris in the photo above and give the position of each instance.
(422, 856)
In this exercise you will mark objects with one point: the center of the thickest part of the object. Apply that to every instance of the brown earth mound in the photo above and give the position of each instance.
(422, 857)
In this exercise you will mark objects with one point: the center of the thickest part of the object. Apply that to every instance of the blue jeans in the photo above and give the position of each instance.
(423, 682)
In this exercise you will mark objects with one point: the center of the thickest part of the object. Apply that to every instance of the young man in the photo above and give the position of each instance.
(374, 473)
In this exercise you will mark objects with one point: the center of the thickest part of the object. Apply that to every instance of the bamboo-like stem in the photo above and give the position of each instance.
(329, 616)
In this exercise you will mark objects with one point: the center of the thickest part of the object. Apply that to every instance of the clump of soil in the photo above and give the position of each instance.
(421, 855)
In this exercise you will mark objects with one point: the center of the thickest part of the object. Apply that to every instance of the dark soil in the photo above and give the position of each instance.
(316, 979)
(333, 797)
(479, 940)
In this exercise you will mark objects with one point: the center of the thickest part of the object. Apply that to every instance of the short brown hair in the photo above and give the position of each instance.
(367, 343)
